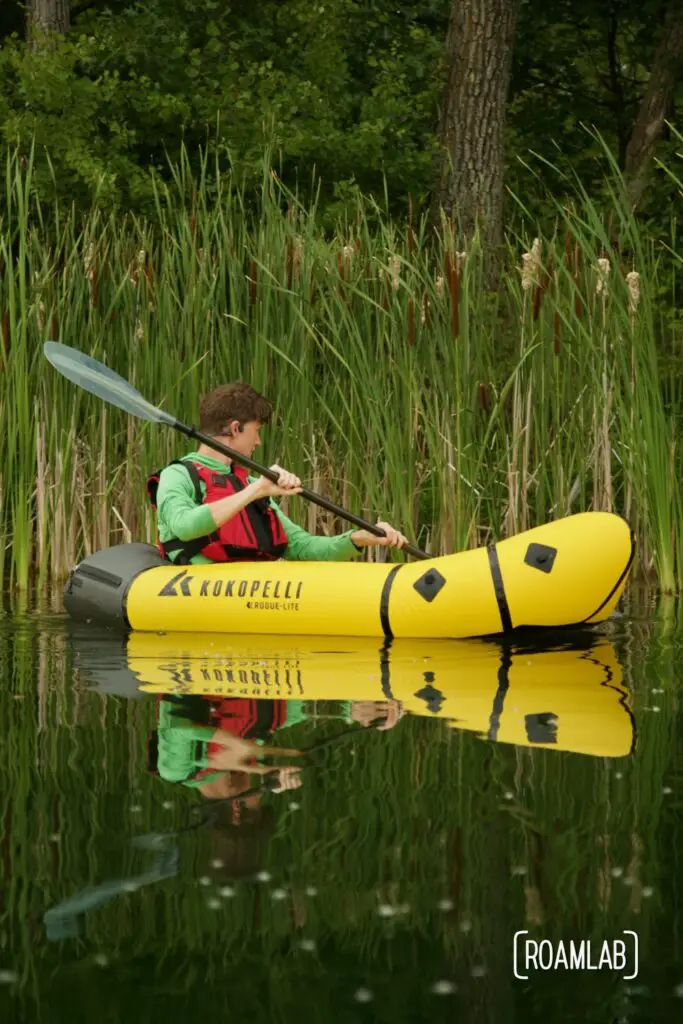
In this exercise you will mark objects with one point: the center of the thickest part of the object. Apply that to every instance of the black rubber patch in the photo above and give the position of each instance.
(540, 556)
(541, 728)
(429, 584)
(432, 697)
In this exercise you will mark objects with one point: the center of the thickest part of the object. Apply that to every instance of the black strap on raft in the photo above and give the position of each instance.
(384, 603)
(498, 586)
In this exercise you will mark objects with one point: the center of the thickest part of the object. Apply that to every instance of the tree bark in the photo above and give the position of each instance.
(49, 15)
(667, 67)
(470, 158)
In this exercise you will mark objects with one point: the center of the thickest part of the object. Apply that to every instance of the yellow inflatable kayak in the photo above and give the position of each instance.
(563, 698)
(564, 573)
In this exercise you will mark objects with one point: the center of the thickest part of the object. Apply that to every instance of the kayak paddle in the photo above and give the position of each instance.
(104, 383)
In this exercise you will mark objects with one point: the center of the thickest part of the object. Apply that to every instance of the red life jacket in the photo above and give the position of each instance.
(254, 534)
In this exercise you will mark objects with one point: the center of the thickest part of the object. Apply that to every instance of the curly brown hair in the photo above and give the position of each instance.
(235, 401)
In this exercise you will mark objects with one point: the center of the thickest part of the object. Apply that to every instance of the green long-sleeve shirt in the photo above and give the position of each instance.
(180, 516)
(183, 744)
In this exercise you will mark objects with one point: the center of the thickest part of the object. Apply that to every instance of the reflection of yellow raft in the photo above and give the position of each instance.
(566, 698)
(567, 572)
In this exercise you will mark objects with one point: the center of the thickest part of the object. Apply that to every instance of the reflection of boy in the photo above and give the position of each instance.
(211, 744)
(202, 739)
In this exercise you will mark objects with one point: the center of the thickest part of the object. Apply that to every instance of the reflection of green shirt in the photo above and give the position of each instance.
(180, 516)
(183, 743)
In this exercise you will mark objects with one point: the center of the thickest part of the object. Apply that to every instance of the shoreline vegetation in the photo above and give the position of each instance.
(403, 388)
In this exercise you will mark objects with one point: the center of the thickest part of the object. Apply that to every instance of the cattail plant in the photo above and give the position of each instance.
(401, 386)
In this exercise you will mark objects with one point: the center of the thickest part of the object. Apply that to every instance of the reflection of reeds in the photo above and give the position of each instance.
(380, 347)
(408, 818)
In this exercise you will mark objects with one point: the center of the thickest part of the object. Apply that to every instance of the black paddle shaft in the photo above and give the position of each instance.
(271, 475)
(270, 782)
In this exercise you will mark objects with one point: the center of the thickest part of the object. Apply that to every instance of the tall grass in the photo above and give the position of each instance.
(402, 387)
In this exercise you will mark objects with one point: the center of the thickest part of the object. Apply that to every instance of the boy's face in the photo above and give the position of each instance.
(246, 440)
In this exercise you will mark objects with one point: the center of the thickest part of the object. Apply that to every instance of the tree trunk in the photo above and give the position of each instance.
(667, 67)
(49, 15)
(470, 160)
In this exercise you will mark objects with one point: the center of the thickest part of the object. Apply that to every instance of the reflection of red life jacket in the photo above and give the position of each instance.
(254, 534)
(251, 719)
(247, 718)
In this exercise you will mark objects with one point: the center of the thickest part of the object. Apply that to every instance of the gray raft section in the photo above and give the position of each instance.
(97, 587)
(100, 658)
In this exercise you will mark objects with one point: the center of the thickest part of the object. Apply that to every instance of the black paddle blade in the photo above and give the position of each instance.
(102, 382)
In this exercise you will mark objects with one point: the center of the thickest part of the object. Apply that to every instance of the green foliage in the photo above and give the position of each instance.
(580, 71)
(107, 107)
(347, 92)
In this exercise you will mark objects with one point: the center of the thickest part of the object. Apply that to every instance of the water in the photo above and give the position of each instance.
(389, 885)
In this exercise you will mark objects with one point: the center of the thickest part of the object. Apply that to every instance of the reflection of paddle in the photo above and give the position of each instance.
(99, 380)
(269, 783)
(64, 920)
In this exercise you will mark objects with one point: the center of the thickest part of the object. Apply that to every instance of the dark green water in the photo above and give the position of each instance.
(388, 887)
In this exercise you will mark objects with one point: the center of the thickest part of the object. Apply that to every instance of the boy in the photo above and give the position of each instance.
(209, 510)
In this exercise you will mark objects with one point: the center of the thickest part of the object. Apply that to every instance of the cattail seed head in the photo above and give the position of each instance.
(603, 268)
(297, 253)
(633, 282)
(531, 265)
(394, 272)
(89, 258)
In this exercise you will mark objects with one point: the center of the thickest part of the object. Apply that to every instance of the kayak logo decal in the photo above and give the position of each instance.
(169, 589)
(281, 679)
(269, 593)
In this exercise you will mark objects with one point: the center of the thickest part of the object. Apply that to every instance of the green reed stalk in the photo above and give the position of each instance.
(402, 388)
